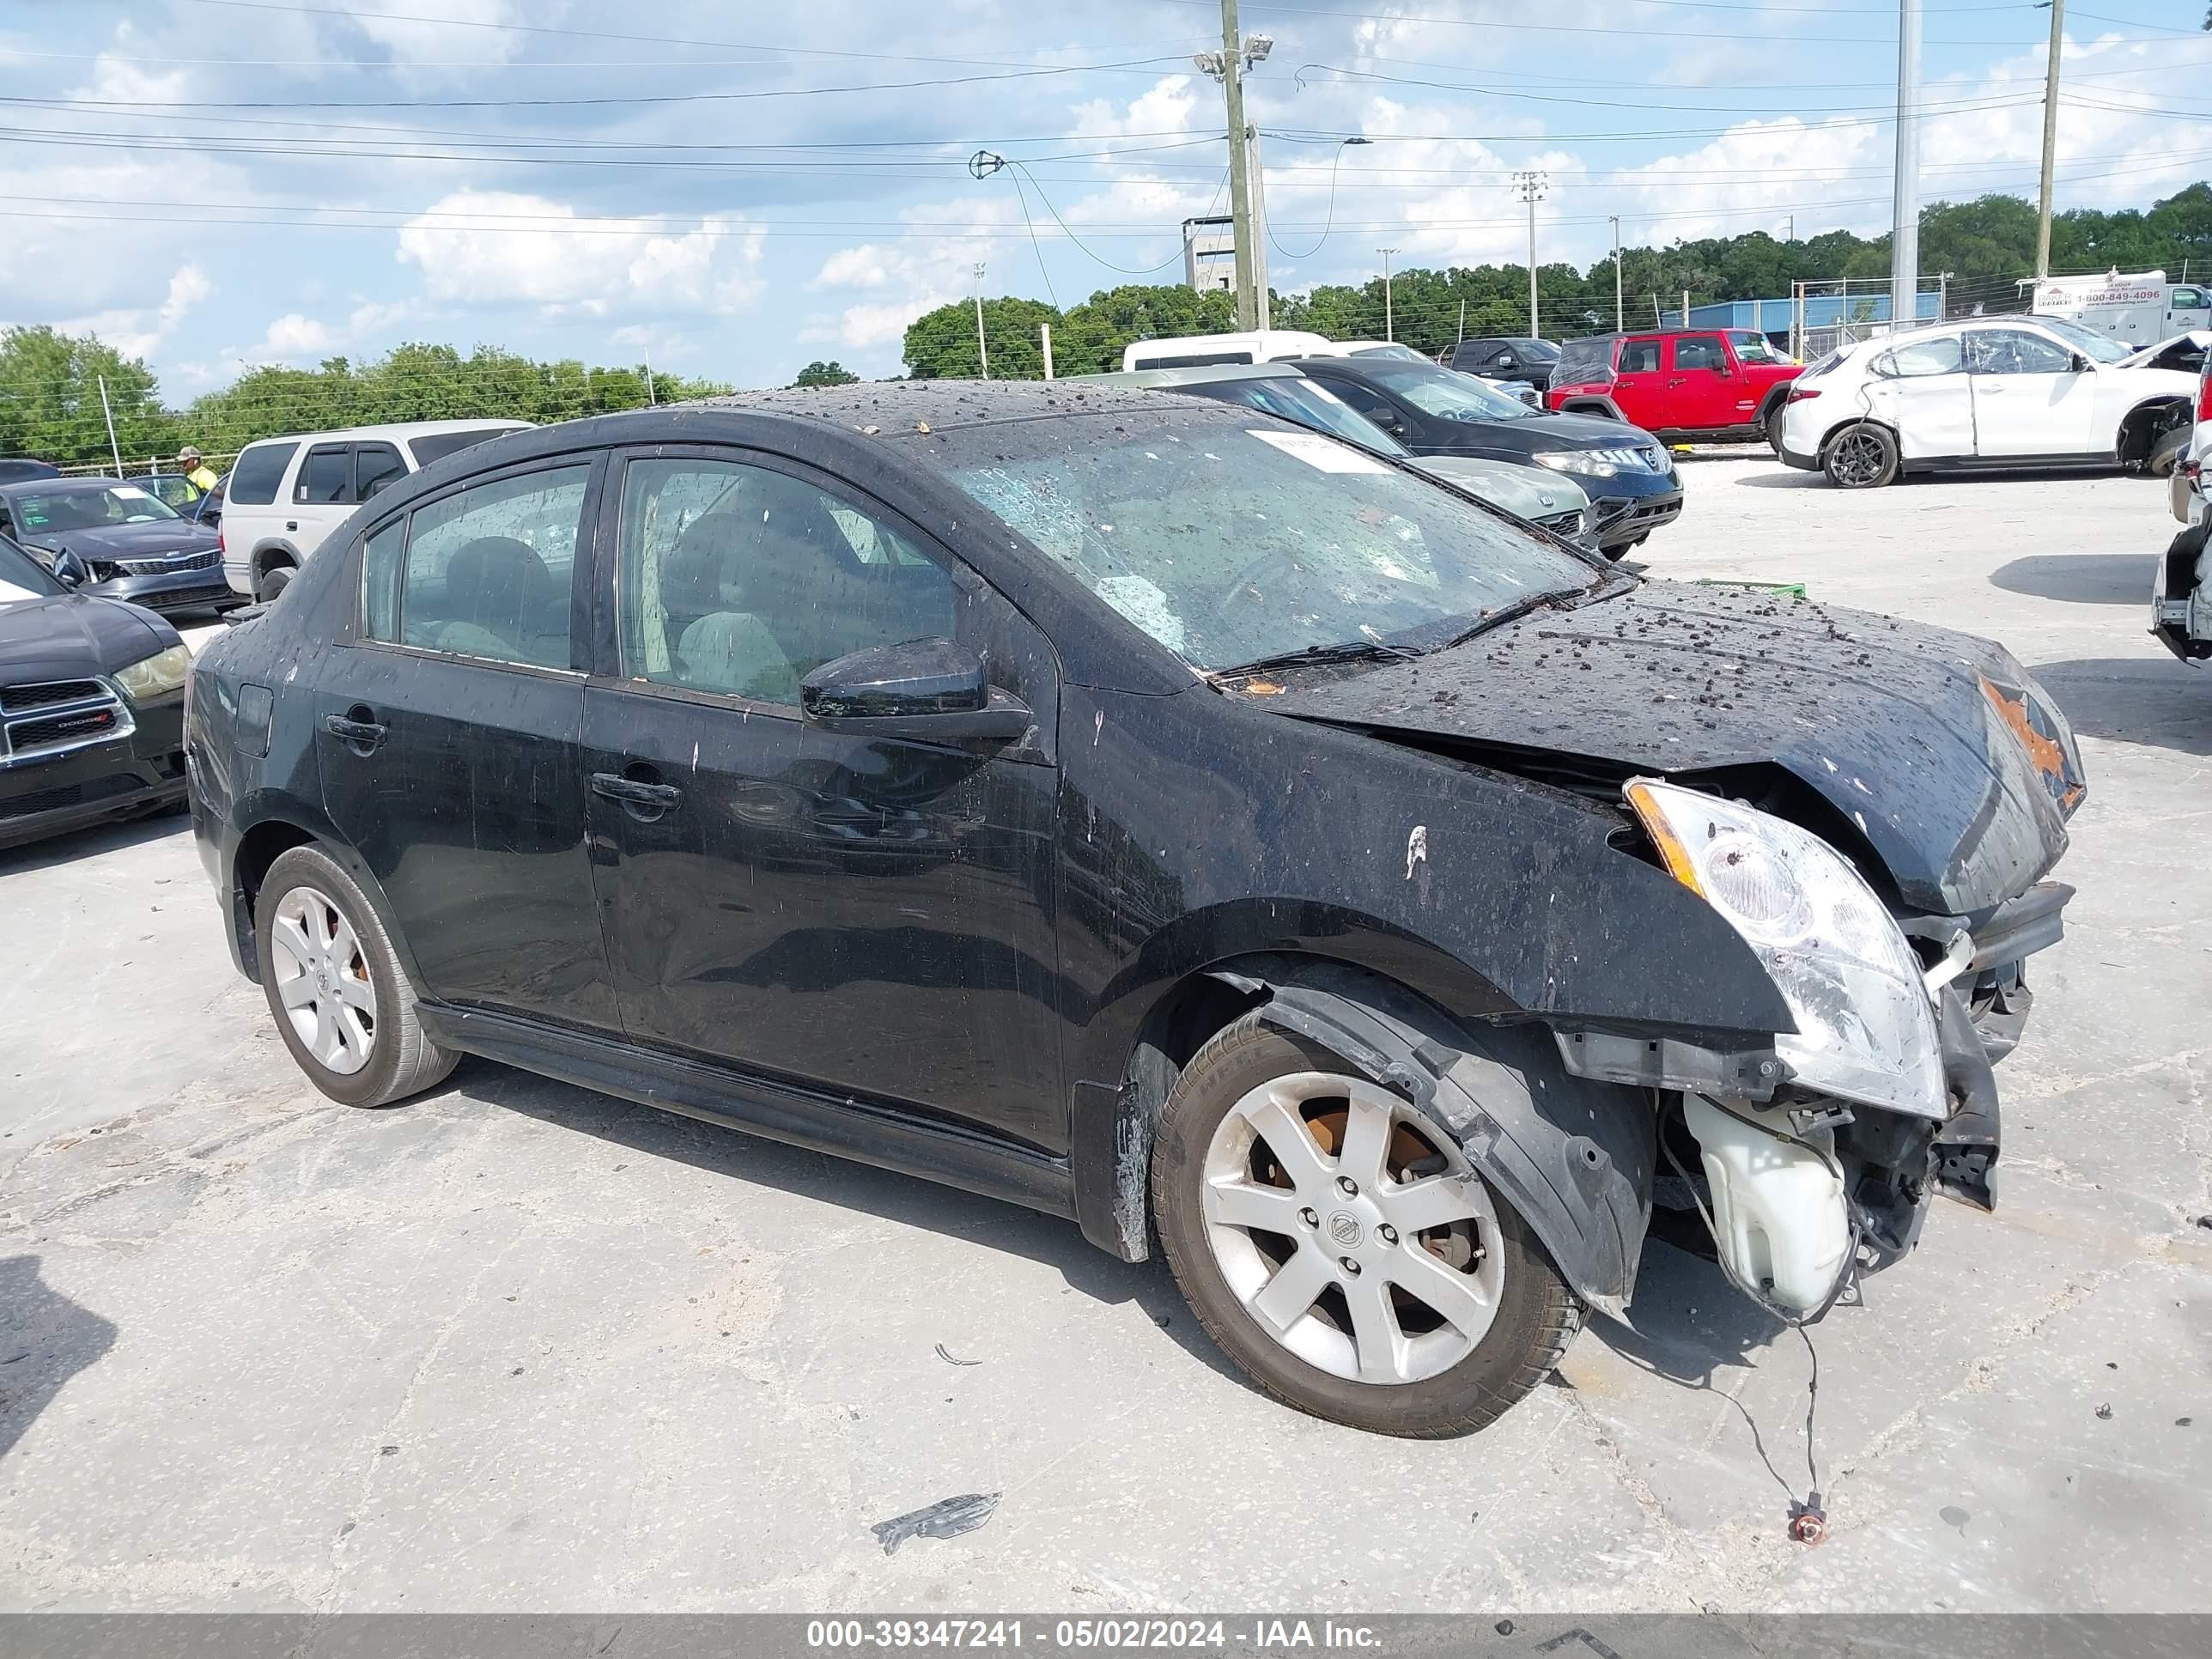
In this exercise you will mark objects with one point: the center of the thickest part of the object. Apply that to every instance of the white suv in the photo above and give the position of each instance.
(2005, 391)
(283, 495)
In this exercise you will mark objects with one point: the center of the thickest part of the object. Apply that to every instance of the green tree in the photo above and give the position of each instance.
(940, 344)
(821, 373)
(50, 402)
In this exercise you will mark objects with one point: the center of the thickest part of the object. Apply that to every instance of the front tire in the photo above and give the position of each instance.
(1339, 1247)
(335, 988)
(1862, 456)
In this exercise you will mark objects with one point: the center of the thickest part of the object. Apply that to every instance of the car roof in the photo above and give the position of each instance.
(1196, 375)
(63, 486)
(392, 429)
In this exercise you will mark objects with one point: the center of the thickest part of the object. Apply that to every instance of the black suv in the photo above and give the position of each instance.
(1503, 358)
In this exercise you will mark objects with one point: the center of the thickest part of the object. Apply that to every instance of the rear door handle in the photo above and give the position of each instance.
(361, 736)
(639, 798)
(291, 524)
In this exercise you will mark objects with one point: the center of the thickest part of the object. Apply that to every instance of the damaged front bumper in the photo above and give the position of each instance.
(1788, 1172)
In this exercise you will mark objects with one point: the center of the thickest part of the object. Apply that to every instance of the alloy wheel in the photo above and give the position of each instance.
(1858, 458)
(1353, 1234)
(323, 981)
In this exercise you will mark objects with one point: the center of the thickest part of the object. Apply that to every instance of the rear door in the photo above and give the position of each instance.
(869, 917)
(1639, 384)
(447, 728)
(2029, 397)
(1704, 391)
(1922, 390)
(322, 495)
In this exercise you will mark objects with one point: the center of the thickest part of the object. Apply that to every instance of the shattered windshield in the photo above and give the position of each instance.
(1237, 539)
(2088, 342)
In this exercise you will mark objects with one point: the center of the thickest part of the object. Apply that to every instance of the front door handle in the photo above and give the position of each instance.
(359, 735)
(641, 800)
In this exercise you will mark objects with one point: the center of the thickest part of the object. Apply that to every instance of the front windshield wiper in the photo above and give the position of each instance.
(1341, 650)
(1522, 607)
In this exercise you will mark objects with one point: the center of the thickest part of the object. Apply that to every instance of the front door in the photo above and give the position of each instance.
(447, 726)
(867, 917)
(1703, 389)
(1639, 384)
(2030, 399)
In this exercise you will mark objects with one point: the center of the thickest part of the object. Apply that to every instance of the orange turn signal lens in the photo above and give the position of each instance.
(1675, 856)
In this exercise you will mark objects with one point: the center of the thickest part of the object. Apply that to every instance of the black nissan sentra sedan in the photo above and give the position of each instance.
(1164, 816)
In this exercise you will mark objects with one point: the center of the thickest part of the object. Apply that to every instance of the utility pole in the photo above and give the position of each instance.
(1228, 66)
(1256, 178)
(2049, 141)
(1530, 184)
(113, 449)
(1620, 322)
(982, 350)
(1904, 216)
(650, 397)
(1389, 321)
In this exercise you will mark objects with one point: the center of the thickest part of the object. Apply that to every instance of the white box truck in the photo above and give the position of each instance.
(2142, 309)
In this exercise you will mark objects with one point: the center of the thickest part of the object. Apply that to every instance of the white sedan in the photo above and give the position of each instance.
(2001, 392)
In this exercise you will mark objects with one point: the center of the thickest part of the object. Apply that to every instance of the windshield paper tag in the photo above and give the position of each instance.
(1323, 454)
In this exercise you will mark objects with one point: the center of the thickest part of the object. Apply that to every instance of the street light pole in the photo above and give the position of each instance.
(1531, 186)
(2050, 141)
(982, 350)
(1228, 66)
(1619, 320)
(1904, 216)
(1389, 320)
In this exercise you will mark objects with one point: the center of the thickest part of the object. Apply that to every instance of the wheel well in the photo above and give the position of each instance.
(259, 848)
(1596, 406)
(266, 559)
(1828, 436)
(2146, 423)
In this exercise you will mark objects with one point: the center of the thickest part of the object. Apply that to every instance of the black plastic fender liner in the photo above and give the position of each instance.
(1966, 1151)
(1573, 1156)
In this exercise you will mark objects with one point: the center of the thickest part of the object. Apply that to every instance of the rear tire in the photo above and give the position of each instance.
(335, 987)
(1366, 1346)
(1861, 456)
(273, 582)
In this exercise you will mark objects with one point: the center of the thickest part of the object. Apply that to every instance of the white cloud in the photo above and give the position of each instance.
(410, 35)
(134, 332)
(497, 248)
(295, 337)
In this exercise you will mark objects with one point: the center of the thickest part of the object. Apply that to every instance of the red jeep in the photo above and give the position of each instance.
(1676, 383)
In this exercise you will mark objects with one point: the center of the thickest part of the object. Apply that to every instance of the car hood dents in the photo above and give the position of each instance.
(129, 541)
(1912, 734)
(65, 639)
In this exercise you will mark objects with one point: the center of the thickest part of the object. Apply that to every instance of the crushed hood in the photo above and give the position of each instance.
(129, 541)
(1937, 746)
(2184, 352)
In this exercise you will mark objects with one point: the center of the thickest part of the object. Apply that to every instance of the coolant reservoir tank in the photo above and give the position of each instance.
(1778, 1203)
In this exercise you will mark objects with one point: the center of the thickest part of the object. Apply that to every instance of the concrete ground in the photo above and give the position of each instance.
(518, 1346)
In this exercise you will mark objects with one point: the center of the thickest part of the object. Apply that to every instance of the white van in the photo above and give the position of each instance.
(2141, 309)
(1204, 350)
(283, 495)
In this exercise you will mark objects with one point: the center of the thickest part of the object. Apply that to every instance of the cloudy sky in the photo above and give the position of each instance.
(735, 187)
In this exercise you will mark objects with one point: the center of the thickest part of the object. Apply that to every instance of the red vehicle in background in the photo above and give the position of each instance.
(1676, 383)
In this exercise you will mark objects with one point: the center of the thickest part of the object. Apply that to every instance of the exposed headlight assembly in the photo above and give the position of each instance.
(1597, 463)
(1866, 1030)
(156, 676)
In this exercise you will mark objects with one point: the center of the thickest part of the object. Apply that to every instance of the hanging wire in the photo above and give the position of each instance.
(1034, 246)
(1330, 222)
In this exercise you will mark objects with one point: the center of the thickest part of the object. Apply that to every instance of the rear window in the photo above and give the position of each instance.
(258, 473)
(1584, 359)
(436, 445)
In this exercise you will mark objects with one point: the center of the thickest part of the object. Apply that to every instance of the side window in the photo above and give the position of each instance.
(260, 473)
(324, 475)
(2189, 299)
(489, 569)
(2014, 352)
(380, 582)
(375, 467)
(1639, 357)
(1924, 357)
(1363, 401)
(1700, 351)
(742, 579)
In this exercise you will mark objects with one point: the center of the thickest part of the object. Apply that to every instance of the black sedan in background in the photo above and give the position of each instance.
(1625, 471)
(1160, 814)
(119, 540)
(91, 706)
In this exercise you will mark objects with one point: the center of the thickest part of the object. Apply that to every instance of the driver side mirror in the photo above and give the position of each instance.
(69, 570)
(932, 690)
(2081, 365)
